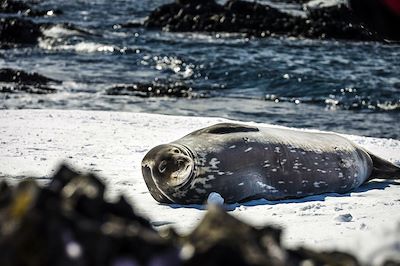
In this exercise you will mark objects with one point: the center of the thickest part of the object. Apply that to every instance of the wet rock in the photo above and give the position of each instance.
(336, 22)
(16, 32)
(254, 19)
(221, 239)
(13, 81)
(19, 7)
(344, 218)
(22, 77)
(380, 16)
(5, 194)
(68, 222)
(27, 89)
(303, 256)
(155, 89)
(9, 6)
(130, 24)
(234, 16)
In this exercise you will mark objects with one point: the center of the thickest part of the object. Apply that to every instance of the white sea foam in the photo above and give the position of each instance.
(175, 64)
(325, 3)
(82, 47)
(58, 31)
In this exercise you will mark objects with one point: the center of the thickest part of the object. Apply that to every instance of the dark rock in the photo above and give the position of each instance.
(16, 32)
(162, 15)
(251, 18)
(379, 16)
(336, 22)
(391, 263)
(301, 255)
(10, 6)
(221, 239)
(194, 2)
(27, 89)
(22, 77)
(155, 89)
(292, 1)
(21, 81)
(128, 25)
(5, 194)
(68, 222)
(234, 16)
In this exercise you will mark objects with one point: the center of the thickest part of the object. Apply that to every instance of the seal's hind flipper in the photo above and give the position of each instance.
(226, 128)
(383, 168)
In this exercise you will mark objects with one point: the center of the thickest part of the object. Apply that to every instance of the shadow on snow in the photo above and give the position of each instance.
(371, 185)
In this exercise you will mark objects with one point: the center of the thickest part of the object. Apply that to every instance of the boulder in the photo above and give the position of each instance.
(255, 19)
(155, 89)
(16, 32)
(68, 222)
(221, 239)
(20, 81)
(21, 77)
(380, 16)
(336, 22)
(19, 7)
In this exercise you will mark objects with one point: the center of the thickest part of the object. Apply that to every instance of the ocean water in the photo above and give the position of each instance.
(348, 87)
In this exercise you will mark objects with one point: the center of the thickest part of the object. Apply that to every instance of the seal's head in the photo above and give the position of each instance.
(166, 168)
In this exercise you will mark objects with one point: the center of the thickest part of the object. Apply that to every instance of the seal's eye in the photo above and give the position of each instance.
(162, 166)
(176, 151)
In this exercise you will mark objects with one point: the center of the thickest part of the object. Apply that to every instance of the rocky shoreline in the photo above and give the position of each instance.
(251, 18)
(159, 88)
(16, 81)
(341, 21)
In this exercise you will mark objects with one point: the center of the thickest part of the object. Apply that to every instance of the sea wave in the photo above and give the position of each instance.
(333, 103)
(172, 64)
(84, 47)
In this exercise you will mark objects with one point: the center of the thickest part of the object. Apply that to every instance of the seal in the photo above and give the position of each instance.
(242, 162)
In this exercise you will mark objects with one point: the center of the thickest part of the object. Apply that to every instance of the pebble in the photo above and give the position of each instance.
(344, 218)
(215, 198)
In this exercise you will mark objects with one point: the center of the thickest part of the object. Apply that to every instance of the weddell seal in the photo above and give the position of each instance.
(243, 162)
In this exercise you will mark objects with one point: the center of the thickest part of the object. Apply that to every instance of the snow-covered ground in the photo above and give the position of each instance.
(112, 145)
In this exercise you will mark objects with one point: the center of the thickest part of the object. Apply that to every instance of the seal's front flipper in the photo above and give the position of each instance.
(383, 168)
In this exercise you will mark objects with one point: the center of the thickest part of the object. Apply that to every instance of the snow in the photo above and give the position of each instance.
(112, 145)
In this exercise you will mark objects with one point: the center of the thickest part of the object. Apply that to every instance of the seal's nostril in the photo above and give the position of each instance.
(176, 151)
(162, 166)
